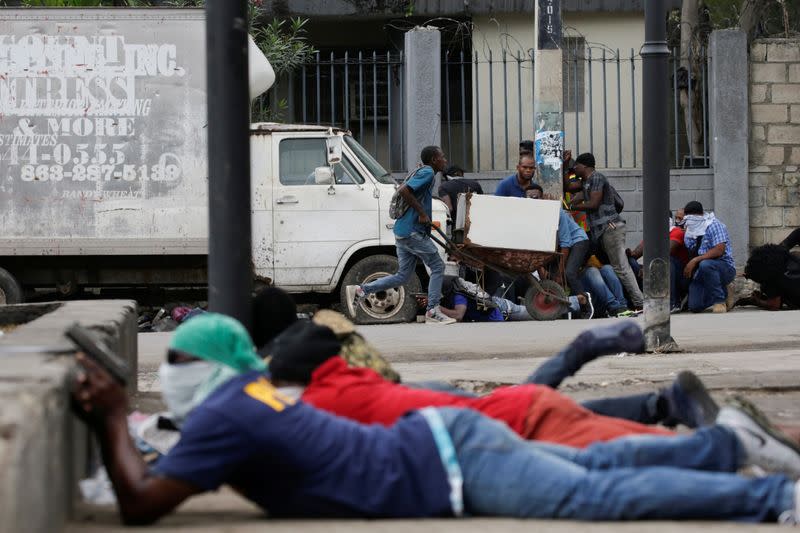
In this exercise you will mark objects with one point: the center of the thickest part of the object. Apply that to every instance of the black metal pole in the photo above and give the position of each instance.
(229, 248)
(655, 172)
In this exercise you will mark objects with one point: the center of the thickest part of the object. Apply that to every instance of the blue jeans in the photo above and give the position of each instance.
(605, 288)
(510, 310)
(409, 249)
(677, 283)
(641, 477)
(709, 284)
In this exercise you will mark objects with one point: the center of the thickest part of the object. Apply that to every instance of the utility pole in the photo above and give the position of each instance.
(655, 167)
(229, 245)
(548, 104)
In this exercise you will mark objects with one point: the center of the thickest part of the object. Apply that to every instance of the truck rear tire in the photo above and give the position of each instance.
(10, 289)
(384, 307)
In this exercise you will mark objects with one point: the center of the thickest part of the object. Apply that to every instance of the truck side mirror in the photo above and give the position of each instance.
(334, 145)
(323, 176)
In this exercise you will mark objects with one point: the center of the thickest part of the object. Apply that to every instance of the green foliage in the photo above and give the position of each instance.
(284, 43)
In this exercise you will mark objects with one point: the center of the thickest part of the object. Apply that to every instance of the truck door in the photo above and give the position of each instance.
(314, 225)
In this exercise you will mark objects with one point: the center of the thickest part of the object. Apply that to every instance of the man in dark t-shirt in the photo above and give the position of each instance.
(450, 189)
(293, 460)
(776, 268)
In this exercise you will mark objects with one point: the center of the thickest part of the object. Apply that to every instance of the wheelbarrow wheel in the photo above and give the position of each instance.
(540, 303)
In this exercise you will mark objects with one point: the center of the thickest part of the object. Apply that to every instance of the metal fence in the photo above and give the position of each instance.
(359, 91)
(487, 104)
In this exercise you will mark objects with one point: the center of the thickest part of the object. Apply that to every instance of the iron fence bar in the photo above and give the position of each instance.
(704, 98)
(319, 101)
(360, 97)
(575, 103)
(619, 107)
(447, 98)
(375, 100)
(463, 112)
(477, 110)
(333, 92)
(491, 108)
(305, 99)
(402, 72)
(346, 91)
(605, 111)
(633, 109)
(533, 90)
(505, 107)
(519, 95)
(690, 125)
(676, 134)
(591, 103)
(389, 107)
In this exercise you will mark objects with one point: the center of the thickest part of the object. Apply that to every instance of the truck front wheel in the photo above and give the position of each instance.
(384, 307)
(10, 289)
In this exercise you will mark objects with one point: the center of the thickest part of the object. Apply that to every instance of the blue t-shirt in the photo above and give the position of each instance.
(569, 232)
(421, 184)
(473, 314)
(510, 187)
(295, 460)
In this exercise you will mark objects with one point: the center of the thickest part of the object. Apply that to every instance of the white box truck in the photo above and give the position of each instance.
(104, 175)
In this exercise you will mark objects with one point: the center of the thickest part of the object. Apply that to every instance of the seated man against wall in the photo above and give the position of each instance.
(711, 268)
(573, 243)
(515, 184)
(777, 270)
(292, 459)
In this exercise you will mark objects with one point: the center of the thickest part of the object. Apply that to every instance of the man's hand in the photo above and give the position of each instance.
(425, 220)
(689, 269)
(97, 393)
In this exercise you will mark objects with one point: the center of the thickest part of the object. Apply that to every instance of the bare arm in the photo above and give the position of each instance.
(713, 253)
(142, 497)
(457, 313)
(446, 200)
(594, 201)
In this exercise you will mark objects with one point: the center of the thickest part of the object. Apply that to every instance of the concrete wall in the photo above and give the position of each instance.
(774, 139)
(685, 185)
(623, 31)
(43, 446)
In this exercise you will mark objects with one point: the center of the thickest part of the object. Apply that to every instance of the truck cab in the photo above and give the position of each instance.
(320, 225)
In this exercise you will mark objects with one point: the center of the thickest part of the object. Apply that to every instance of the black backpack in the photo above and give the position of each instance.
(619, 203)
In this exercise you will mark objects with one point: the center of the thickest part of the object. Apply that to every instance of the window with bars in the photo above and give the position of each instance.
(573, 73)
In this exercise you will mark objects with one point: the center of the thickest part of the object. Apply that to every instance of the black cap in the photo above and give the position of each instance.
(300, 349)
(585, 159)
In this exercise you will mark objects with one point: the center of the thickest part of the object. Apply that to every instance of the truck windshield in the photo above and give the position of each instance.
(383, 175)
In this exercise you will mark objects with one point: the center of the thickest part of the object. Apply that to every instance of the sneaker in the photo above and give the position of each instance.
(587, 309)
(791, 517)
(354, 294)
(689, 403)
(471, 289)
(435, 316)
(627, 313)
(675, 310)
(764, 445)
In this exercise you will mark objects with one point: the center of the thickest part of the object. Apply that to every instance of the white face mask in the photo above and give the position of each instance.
(179, 384)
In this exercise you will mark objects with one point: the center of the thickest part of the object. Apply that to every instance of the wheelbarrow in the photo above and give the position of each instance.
(502, 253)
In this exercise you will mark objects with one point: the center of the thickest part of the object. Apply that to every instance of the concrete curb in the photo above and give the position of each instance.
(44, 448)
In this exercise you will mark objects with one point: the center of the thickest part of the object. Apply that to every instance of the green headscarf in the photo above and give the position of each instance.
(221, 340)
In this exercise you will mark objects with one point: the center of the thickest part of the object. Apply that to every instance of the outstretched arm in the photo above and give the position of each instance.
(142, 497)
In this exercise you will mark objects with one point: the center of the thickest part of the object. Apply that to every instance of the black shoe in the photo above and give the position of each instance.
(615, 338)
(689, 403)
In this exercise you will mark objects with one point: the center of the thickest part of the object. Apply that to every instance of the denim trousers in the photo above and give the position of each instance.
(613, 241)
(605, 288)
(641, 477)
(409, 249)
(577, 257)
(510, 310)
(709, 284)
(678, 284)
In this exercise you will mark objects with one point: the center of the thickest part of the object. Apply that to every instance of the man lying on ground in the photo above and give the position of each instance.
(685, 401)
(292, 459)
